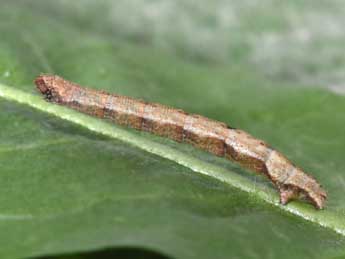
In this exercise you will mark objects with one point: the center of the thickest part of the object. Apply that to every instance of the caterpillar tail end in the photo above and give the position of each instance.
(288, 194)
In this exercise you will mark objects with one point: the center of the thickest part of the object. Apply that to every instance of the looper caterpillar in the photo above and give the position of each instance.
(212, 136)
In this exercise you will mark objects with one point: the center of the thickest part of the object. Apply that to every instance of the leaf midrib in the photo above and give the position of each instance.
(325, 218)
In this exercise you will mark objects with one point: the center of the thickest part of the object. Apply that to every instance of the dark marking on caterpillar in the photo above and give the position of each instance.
(212, 136)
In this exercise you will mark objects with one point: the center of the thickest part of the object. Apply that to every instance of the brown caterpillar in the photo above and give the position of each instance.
(212, 136)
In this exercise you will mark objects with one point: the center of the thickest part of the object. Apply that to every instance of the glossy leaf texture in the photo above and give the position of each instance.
(65, 188)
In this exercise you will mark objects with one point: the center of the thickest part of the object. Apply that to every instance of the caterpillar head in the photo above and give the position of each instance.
(54, 88)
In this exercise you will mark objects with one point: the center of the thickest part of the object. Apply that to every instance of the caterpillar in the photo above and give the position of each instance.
(209, 135)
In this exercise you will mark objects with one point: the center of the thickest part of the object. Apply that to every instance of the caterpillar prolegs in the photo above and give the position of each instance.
(212, 136)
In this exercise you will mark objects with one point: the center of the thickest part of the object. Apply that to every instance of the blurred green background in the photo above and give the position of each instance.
(295, 41)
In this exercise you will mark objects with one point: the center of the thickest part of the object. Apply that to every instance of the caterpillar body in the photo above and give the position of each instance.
(210, 135)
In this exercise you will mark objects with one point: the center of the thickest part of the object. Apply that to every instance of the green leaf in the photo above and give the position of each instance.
(73, 183)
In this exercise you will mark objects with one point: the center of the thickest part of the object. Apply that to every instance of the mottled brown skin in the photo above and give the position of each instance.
(212, 136)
